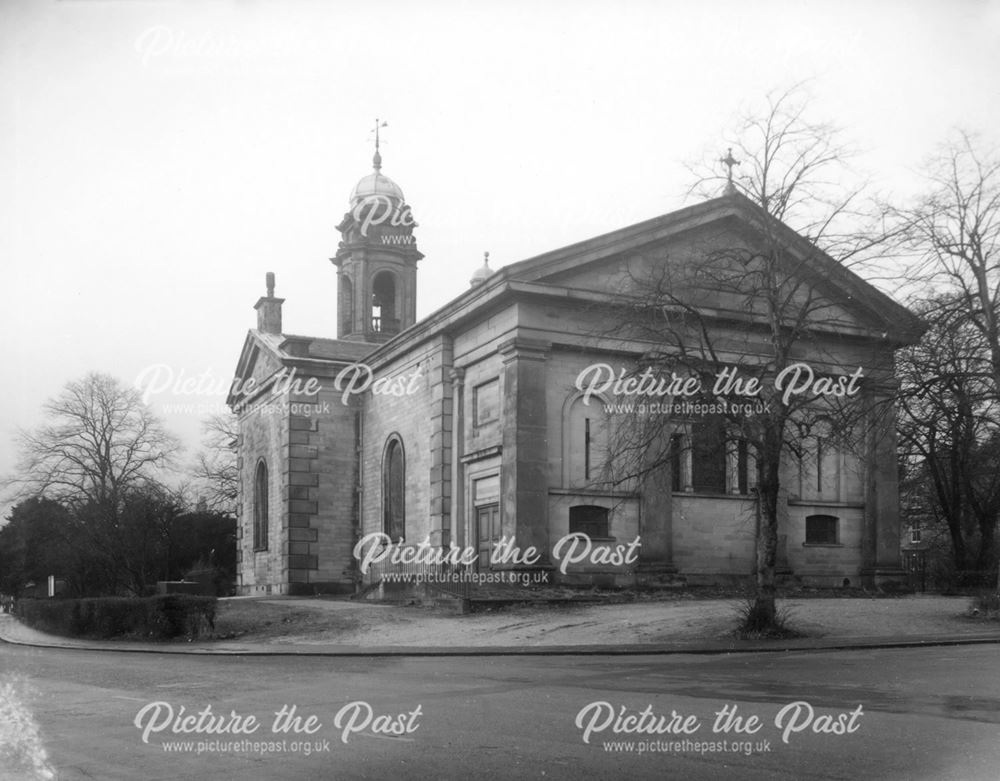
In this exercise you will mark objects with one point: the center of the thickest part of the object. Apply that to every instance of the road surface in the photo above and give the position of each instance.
(919, 713)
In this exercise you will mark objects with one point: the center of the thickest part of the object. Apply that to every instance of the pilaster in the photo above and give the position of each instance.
(440, 478)
(880, 536)
(524, 471)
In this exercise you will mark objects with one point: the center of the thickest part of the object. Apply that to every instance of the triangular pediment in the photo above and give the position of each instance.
(259, 360)
(704, 255)
(264, 355)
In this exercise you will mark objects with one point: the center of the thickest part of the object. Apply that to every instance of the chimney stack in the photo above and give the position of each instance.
(269, 309)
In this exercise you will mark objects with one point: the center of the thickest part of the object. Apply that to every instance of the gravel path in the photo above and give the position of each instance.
(641, 622)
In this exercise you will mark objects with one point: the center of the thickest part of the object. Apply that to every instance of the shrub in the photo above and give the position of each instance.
(155, 618)
(968, 581)
(756, 624)
(185, 615)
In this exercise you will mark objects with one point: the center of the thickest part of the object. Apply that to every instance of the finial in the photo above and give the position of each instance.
(729, 161)
(486, 259)
(269, 281)
(377, 160)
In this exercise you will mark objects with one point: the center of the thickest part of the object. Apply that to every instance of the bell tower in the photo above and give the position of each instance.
(376, 260)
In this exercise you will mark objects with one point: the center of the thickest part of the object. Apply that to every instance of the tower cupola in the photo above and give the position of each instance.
(376, 259)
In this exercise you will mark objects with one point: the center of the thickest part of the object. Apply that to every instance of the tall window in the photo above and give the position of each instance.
(585, 443)
(742, 467)
(384, 317)
(260, 507)
(819, 463)
(394, 490)
(708, 456)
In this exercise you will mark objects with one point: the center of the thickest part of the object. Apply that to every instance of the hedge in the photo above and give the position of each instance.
(152, 618)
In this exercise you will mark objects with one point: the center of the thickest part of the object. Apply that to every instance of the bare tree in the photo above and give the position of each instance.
(950, 430)
(954, 234)
(951, 238)
(214, 471)
(759, 302)
(101, 448)
(102, 441)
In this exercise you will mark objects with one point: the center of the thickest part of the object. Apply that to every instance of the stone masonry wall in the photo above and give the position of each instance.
(413, 418)
(321, 487)
(262, 431)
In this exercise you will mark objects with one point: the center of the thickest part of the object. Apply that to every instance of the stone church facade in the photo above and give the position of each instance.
(471, 426)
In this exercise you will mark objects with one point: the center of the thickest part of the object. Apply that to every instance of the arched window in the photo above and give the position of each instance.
(384, 317)
(394, 490)
(260, 507)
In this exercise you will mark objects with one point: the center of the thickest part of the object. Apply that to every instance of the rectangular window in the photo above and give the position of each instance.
(742, 467)
(822, 530)
(589, 519)
(486, 403)
(676, 468)
(486, 490)
(914, 536)
(819, 465)
(708, 456)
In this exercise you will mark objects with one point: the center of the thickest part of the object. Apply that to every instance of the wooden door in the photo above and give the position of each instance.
(488, 532)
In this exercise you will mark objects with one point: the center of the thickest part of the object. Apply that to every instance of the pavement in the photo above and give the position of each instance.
(15, 633)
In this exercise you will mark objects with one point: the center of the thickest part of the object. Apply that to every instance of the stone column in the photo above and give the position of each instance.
(524, 471)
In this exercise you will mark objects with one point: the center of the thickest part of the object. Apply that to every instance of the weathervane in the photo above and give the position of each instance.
(377, 160)
(729, 161)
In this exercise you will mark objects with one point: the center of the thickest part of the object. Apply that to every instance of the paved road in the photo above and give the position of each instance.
(926, 713)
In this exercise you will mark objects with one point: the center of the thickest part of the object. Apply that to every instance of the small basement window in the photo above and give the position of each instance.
(589, 519)
(822, 530)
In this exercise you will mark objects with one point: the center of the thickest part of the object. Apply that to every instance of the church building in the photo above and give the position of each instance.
(491, 421)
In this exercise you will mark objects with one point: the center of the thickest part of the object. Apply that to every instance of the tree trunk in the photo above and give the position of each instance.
(987, 536)
(763, 613)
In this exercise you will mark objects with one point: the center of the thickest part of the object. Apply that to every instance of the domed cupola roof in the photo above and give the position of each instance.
(482, 273)
(376, 184)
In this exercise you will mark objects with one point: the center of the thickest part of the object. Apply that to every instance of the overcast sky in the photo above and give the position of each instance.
(157, 158)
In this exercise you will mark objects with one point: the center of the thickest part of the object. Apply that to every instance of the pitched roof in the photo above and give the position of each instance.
(530, 276)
